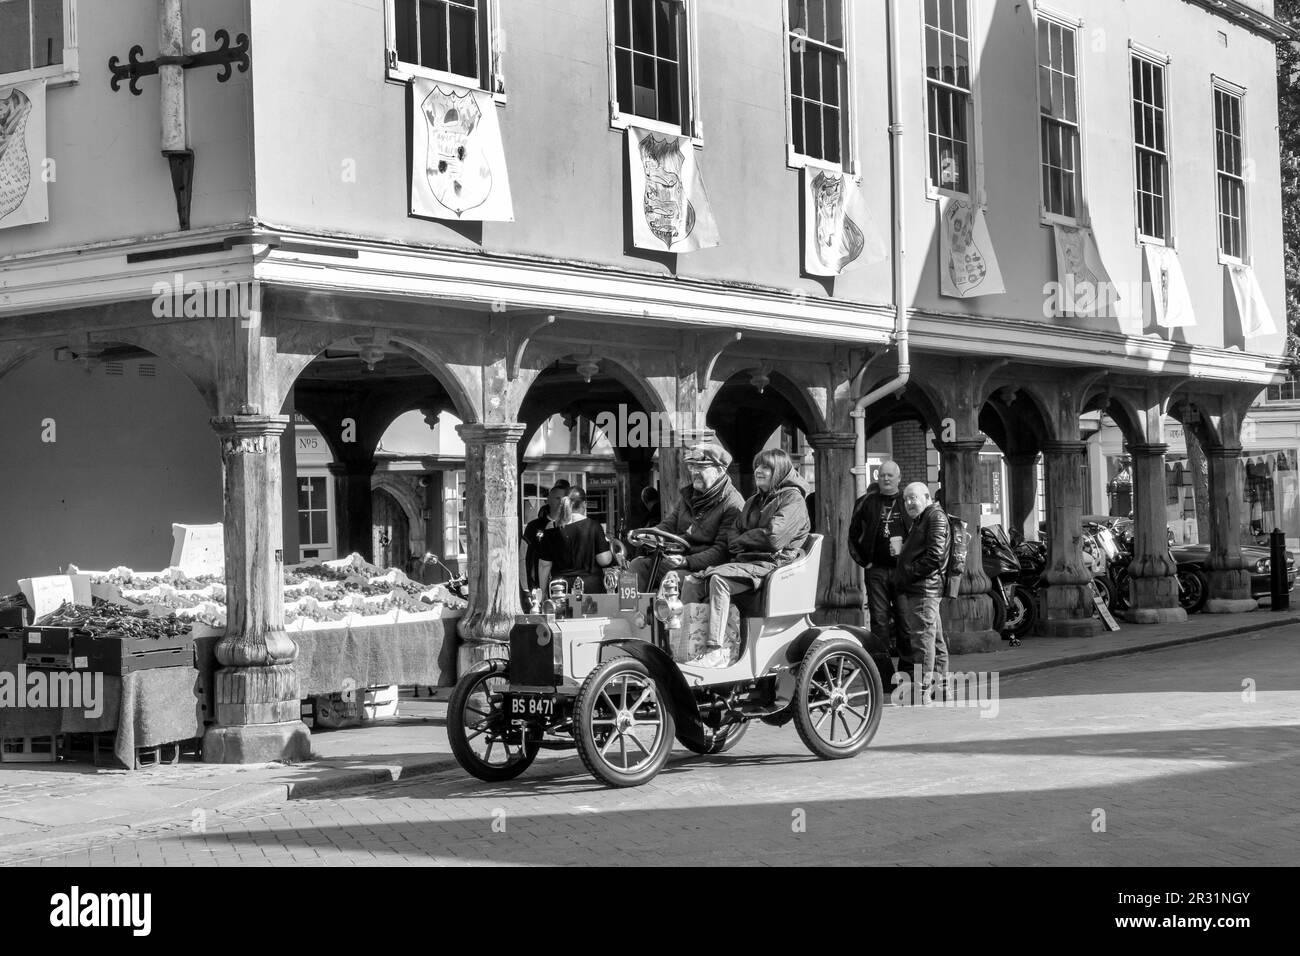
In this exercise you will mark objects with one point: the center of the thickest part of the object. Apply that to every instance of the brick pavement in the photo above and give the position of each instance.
(1185, 770)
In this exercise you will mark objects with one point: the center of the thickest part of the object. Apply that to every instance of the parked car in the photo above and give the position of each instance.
(1258, 563)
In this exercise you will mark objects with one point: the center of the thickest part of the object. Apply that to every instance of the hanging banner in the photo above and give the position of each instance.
(967, 264)
(24, 193)
(838, 231)
(670, 208)
(1169, 296)
(1256, 318)
(1085, 286)
(458, 165)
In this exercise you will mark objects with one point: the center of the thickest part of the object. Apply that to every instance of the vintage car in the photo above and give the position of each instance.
(607, 675)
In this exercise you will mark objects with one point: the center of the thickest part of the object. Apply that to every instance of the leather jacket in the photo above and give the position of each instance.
(925, 553)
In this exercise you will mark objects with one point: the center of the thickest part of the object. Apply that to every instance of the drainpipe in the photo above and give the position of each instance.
(171, 74)
(859, 413)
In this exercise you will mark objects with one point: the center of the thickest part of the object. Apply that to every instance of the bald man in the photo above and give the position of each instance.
(919, 582)
(876, 533)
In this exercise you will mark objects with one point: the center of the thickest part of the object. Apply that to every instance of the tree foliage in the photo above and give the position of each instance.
(1288, 93)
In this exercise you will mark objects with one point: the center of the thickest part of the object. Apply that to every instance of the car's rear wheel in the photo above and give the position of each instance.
(838, 698)
(477, 726)
(720, 741)
(1193, 590)
(623, 725)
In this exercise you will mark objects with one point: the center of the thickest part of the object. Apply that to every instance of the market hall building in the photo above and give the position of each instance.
(987, 218)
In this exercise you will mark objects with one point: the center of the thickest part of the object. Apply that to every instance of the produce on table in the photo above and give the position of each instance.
(105, 619)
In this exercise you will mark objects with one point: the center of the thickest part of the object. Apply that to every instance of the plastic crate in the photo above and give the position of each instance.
(42, 749)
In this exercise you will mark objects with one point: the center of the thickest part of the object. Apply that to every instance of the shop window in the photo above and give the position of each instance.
(1287, 391)
(1061, 155)
(313, 512)
(455, 537)
(37, 39)
(1150, 149)
(949, 94)
(817, 67)
(651, 68)
(456, 40)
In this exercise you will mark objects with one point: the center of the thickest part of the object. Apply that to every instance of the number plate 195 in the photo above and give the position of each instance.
(528, 705)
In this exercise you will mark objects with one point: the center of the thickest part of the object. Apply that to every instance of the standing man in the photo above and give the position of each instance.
(876, 533)
(919, 580)
(705, 516)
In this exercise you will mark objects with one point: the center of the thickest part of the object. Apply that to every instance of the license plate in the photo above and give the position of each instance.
(628, 591)
(525, 706)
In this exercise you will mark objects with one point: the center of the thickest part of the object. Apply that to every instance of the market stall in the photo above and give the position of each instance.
(140, 650)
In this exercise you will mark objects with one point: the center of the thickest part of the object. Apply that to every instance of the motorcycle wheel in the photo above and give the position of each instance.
(1021, 612)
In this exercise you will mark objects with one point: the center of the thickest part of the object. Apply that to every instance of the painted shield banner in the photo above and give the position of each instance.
(458, 165)
(24, 191)
(1256, 317)
(838, 231)
(1085, 286)
(1171, 301)
(967, 264)
(670, 208)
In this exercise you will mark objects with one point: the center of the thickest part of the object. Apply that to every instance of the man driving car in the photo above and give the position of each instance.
(705, 517)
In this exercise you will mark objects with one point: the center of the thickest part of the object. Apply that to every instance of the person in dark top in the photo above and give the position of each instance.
(532, 536)
(918, 577)
(876, 532)
(650, 501)
(575, 546)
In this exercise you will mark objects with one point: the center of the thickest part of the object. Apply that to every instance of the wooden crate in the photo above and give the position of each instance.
(118, 655)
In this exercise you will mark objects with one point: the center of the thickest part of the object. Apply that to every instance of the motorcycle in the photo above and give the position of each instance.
(1193, 585)
(1013, 597)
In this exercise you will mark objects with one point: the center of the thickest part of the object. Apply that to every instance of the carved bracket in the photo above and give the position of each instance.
(224, 56)
(709, 348)
(519, 333)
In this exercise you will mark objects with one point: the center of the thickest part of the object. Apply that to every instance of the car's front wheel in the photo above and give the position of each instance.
(477, 727)
(623, 725)
(838, 698)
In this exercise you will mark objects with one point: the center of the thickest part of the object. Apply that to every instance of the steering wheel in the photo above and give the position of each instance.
(661, 541)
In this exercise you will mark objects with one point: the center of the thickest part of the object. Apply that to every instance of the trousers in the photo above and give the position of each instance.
(883, 611)
(717, 590)
(920, 621)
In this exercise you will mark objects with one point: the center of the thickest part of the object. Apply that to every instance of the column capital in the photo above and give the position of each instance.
(1147, 450)
(1223, 451)
(494, 433)
(959, 445)
(247, 434)
(1065, 447)
(828, 440)
(352, 469)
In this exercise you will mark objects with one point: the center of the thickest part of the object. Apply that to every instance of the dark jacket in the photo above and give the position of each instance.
(865, 525)
(770, 532)
(925, 553)
(706, 520)
(532, 538)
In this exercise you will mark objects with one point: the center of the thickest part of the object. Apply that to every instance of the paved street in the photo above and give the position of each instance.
(1163, 744)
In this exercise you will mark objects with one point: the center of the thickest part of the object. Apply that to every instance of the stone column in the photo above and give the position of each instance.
(492, 530)
(1229, 578)
(1022, 495)
(1065, 605)
(256, 689)
(967, 618)
(840, 595)
(1152, 573)
(353, 506)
